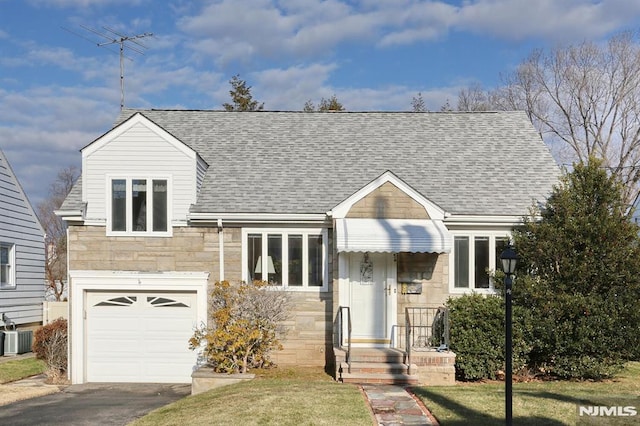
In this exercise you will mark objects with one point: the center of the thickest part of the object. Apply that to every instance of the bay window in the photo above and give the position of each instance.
(139, 205)
(292, 258)
(473, 255)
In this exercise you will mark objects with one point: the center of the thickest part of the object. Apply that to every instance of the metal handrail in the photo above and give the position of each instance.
(424, 327)
(342, 309)
(407, 333)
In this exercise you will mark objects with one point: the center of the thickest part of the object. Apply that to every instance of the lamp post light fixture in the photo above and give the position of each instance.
(509, 259)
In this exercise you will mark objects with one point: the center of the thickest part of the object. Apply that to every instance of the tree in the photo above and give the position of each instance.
(446, 107)
(585, 101)
(241, 97)
(584, 255)
(417, 103)
(56, 232)
(331, 104)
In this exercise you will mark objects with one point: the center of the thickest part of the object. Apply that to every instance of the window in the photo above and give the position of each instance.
(7, 270)
(472, 256)
(292, 258)
(139, 206)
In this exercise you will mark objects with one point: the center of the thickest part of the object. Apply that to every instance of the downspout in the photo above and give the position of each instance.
(221, 248)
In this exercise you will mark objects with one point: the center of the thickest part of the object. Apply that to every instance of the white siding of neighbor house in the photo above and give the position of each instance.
(139, 152)
(19, 226)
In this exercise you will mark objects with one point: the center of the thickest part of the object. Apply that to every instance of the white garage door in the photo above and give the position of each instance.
(140, 337)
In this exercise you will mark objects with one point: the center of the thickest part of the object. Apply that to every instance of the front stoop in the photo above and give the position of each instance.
(373, 365)
(388, 366)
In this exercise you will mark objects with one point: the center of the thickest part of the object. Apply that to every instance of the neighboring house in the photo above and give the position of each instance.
(22, 255)
(635, 216)
(373, 211)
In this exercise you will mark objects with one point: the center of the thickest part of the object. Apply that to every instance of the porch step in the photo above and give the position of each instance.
(376, 365)
(381, 355)
(383, 379)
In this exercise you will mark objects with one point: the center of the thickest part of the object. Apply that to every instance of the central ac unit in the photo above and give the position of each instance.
(17, 342)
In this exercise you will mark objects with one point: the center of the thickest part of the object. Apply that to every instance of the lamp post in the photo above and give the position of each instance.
(509, 259)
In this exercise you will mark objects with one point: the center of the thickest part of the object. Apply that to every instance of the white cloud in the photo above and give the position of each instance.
(290, 88)
(84, 3)
(546, 19)
(228, 30)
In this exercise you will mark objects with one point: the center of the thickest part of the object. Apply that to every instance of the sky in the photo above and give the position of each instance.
(60, 90)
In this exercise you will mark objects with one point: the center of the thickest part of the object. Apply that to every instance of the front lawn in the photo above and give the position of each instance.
(11, 371)
(534, 403)
(310, 397)
(278, 396)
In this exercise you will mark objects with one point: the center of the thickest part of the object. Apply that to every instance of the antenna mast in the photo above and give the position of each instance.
(114, 37)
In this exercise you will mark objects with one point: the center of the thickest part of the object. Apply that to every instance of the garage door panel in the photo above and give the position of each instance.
(143, 338)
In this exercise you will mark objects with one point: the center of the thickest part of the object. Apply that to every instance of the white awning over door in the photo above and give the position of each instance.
(393, 235)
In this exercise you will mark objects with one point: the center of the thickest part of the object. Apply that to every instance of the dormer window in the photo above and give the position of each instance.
(139, 206)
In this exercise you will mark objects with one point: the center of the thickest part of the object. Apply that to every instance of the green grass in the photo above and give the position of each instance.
(282, 397)
(11, 371)
(534, 403)
(310, 397)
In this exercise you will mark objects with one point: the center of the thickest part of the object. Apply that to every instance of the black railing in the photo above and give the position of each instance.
(424, 328)
(344, 327)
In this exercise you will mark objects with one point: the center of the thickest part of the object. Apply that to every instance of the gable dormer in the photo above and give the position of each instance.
(138, 179)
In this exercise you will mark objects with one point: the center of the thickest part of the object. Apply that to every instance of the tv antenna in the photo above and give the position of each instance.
(112, 37)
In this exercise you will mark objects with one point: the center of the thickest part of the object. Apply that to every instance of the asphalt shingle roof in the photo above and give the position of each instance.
(489, 163)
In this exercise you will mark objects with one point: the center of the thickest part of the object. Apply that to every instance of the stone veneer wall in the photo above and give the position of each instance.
(308, 337)
(388, 202)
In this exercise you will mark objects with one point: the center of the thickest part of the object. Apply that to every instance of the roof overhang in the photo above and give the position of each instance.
(393, 235)
(244, 218)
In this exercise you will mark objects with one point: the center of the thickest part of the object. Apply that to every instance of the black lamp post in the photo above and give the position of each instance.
(509, 259)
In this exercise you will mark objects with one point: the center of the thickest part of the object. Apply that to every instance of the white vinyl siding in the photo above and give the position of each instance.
(139, 152)
(21, 231)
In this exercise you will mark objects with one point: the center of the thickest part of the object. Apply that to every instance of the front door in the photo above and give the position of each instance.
(372, 291)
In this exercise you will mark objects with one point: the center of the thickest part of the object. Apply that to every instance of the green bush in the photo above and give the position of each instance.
(477, 336)
(50, 344)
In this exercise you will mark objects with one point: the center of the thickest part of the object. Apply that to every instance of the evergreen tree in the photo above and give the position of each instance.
(241, 97)
(584, 291)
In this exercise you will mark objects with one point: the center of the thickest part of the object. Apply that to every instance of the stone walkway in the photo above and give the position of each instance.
(395, 406)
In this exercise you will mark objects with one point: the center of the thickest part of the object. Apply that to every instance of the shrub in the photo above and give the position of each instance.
(50, 344)
(244, 326)
(477, 336)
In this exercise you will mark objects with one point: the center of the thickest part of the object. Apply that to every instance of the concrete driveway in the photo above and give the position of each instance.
(93, 404)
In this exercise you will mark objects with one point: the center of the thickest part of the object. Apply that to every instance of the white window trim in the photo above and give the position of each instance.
(492, 260)
(129, 182)
(11, 284)
(284, 232)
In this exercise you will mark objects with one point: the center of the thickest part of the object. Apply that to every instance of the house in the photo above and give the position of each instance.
(22, 257)
(361, 216)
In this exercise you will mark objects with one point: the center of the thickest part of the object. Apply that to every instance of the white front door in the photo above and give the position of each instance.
(372, 294)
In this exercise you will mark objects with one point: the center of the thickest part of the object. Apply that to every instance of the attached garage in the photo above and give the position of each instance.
(140, 337)
(136, 326)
